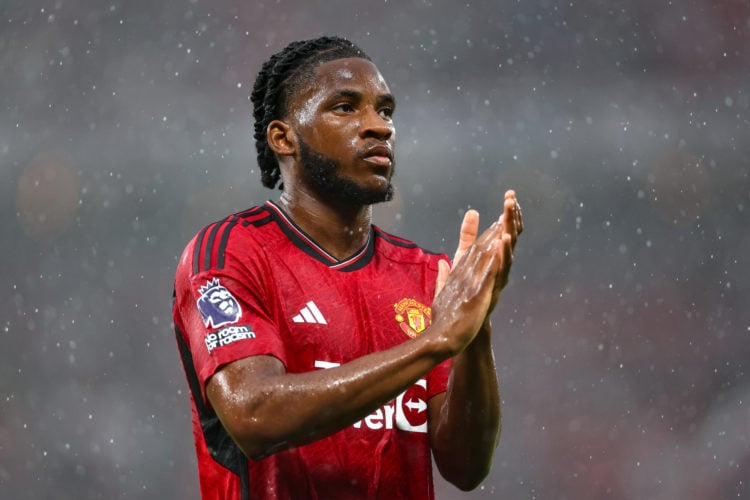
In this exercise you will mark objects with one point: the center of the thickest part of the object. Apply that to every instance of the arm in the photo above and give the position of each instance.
(266, 409)
(465, 420)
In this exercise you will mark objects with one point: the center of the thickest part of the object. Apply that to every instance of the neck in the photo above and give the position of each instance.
(341, 230)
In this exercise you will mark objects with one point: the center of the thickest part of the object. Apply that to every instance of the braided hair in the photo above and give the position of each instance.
(285, 73)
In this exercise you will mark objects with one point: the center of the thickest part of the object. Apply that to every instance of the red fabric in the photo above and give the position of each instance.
(310, 311)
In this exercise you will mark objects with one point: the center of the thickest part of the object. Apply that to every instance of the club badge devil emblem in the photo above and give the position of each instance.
(413, 317)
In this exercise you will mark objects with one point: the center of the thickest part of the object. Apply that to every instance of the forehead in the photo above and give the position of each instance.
(352, 73)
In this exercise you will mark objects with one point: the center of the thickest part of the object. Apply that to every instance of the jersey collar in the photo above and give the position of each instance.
(304, 242)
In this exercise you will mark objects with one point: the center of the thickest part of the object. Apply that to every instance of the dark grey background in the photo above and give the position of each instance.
(622, 340)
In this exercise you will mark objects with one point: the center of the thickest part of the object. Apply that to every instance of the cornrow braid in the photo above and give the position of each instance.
(282, 75)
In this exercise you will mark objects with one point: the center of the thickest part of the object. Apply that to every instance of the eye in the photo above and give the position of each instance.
(386, 112)
(344, 107)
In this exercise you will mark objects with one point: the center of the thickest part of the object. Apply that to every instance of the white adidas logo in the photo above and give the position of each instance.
(310, 314)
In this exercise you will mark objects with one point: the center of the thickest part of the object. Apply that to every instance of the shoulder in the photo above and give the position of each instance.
(210, 247)
(405, 251)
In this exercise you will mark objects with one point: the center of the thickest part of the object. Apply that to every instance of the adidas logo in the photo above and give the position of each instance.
(310, 314)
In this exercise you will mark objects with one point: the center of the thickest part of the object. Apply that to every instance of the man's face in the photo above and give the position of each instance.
(323, 176)
(345, 132)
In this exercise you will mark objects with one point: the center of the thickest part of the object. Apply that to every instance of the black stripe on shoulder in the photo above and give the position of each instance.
(258, 222)
(206, 241)
(394, 240)
(258, 216)
(210, 246)
(197, 250)
(251, 212)
(223, 242)
(400, 242)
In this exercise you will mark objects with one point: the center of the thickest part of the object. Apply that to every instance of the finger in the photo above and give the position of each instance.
(482, 265)
(510, 218)
(517, 215)
(444, 269)
(519, 218)
(506, 262)
(509, 198)
(468, 234)
(474, 257)
(504, 256)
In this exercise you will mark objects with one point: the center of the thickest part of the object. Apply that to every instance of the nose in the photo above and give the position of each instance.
(375, 125)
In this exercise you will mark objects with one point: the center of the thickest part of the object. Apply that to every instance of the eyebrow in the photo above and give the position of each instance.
(354, 94)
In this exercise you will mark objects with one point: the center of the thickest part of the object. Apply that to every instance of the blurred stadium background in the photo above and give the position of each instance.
(622, 340)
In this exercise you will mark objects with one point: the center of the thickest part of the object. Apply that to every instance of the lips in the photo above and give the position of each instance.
(379, 155)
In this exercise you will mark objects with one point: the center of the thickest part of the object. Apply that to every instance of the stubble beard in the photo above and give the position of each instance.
(322, 174)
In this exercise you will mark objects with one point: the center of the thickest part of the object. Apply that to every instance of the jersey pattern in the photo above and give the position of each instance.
(256, 284)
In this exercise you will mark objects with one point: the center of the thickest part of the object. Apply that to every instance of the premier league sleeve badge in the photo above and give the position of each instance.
(217, 305)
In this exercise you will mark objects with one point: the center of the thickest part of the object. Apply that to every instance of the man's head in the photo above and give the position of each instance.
(318, 94)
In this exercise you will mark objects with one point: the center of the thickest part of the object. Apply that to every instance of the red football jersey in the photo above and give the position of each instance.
(256, 284)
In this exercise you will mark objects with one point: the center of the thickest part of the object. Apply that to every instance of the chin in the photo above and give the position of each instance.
(353, 193)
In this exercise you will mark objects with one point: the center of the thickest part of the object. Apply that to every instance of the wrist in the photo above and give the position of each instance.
(482, 343)
(440, 342)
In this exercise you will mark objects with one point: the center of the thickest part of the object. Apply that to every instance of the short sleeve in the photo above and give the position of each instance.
(225, 314)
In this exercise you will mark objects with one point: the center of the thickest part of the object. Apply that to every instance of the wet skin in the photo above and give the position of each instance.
(351, 101)
(346, 116)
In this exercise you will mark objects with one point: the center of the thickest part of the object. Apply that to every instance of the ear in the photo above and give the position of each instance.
(280, 138)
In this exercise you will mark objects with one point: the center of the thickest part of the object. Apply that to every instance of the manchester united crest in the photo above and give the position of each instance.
(412, 316)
